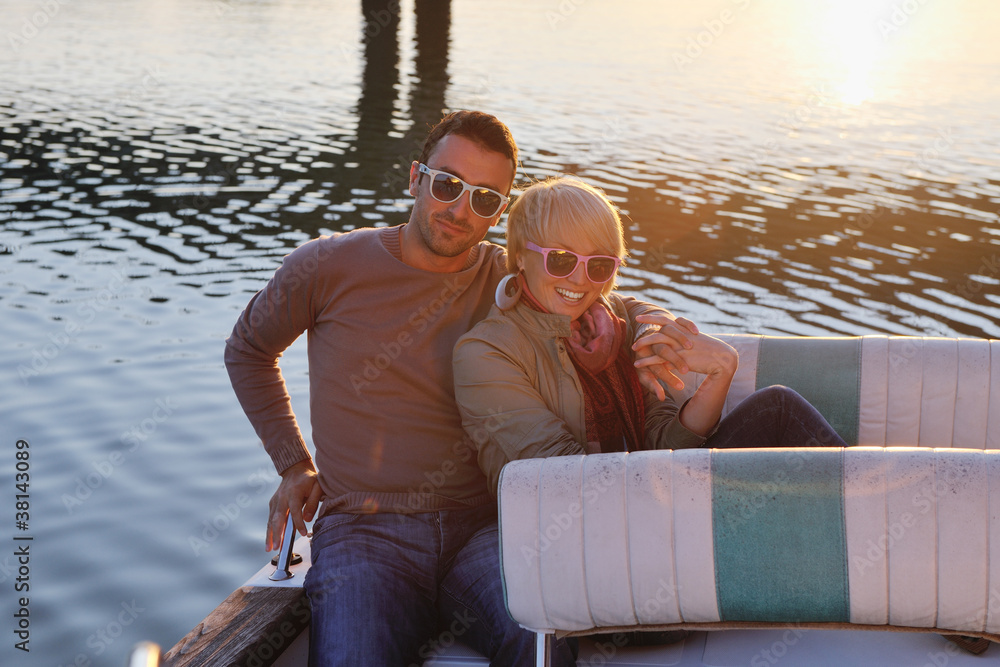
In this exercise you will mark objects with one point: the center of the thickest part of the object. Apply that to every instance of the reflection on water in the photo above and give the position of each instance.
(786, 167)
(804, 191)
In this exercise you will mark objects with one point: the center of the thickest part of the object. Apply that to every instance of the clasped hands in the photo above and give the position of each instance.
(678, 348)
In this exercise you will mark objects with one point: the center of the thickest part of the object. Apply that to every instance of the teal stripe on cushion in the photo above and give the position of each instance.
(780, 536)
(826, 371)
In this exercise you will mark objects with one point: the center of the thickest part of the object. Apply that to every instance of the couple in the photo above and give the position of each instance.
(405, 548)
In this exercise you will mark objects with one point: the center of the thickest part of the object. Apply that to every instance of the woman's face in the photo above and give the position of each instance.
(570, 295)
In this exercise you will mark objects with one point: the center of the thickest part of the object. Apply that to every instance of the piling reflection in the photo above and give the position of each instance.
(391, 128)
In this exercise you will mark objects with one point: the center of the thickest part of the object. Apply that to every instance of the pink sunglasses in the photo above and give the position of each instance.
(560, 263)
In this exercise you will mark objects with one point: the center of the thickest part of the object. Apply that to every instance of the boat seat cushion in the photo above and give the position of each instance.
(904, 538)
(880, 390)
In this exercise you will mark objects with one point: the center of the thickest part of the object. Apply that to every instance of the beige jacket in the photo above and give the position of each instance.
(520, 396)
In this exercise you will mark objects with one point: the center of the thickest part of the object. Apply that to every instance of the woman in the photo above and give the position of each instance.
(550, 371)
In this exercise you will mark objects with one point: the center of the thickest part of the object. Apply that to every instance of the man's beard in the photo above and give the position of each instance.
(442, 245)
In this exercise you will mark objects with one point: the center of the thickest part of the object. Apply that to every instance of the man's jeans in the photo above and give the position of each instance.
(388, 589)
(774, 416)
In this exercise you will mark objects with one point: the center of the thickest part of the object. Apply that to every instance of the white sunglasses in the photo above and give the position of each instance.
(447, 188)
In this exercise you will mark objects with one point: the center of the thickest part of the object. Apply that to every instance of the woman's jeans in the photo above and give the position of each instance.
(774, 416)
(387, 590)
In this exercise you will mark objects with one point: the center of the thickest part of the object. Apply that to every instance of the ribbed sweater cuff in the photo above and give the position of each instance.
(286, 454)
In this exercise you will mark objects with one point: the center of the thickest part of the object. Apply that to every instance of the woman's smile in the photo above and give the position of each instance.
(573, 297)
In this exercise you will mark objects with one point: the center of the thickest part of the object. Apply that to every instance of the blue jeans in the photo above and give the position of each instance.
(774, 416)
(388, 589)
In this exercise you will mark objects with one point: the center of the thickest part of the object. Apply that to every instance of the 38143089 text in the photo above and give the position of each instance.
(22, 544)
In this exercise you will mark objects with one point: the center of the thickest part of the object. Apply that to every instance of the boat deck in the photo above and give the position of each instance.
(743, 648)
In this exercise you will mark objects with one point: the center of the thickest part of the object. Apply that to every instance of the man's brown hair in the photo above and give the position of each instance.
(483, 128)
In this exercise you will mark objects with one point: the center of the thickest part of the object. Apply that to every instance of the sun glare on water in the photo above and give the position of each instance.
(857, 34)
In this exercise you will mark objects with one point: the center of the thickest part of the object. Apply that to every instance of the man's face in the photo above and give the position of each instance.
(449, 230)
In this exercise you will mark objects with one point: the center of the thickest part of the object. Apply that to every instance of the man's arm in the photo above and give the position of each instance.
(270, 323)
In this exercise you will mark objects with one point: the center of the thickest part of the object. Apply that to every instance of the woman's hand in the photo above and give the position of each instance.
(718, 362)
(658, 354)
(712, 357)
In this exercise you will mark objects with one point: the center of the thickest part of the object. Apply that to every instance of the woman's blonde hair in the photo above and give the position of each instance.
(567, 208)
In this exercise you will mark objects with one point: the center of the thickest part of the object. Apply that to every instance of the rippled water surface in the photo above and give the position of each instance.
(787, 166)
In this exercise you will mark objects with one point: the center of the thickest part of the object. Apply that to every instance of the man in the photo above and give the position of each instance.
(406, 542)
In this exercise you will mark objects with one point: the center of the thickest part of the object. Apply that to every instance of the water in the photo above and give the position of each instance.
(786, 167)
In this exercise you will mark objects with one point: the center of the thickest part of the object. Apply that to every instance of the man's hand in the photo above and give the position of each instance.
(658, 354)
(298, 496)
